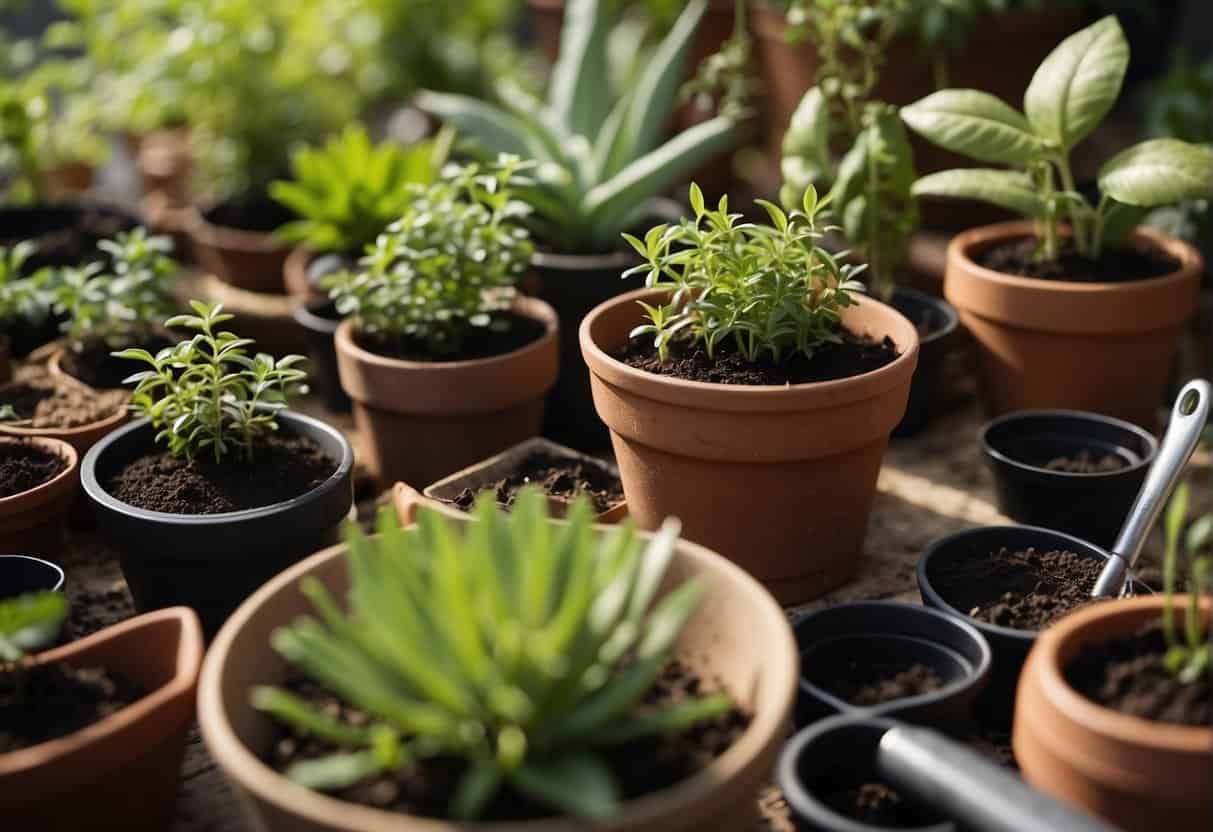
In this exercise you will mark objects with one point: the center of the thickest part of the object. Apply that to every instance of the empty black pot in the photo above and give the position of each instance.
(1019, 446)
(891, 634)
(319, 319)
(937, 322)
(22, 574)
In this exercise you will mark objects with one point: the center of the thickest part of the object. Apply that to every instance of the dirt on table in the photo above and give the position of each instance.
(877, 804)
(24, 466)
(561, 477)
(39, 401)
(866, 683)
(1119, 265)
(1086, 462)
(57, 700)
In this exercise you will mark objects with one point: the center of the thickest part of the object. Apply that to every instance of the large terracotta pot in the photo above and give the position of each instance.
(1049, 344)
(121, 772)
(33, 521)
(779, 479)
(738, 635)
(1141, 775)
(249, 260)
(424, 420)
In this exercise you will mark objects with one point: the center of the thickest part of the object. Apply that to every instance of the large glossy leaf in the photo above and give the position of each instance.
(1158, 172)
(1077, 84)
(1008, 189)
(975, 124)
(578, 93)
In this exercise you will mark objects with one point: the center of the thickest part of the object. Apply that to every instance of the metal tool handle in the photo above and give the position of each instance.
(1188, 419)
(970, 789)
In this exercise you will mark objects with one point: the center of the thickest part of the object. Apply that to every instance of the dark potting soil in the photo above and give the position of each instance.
(507, 332)
(559, 477)
(91, 361)
(71, 245)
(873, 683)
(875, 803)
(23, 467)
(640, 767)
(58, 700)
(688, 360)
(994, 744)
(283, 467)
(257, 213)
(38, 401)
(1024, 590)
(1119, 265)
(1128, 675)
(1085, 462)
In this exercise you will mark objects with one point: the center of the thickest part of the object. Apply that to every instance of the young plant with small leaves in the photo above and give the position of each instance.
(22, 297)
(28, 623)
(207, 394)
(765, 290)
(1188, 653)
(523, 647)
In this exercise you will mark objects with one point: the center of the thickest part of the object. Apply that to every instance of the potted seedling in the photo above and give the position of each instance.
(494, 730)
(98, 726)
(1079, 290)
(444, 362)
(218, 486)
(24, 312)
(750, 373)
(1116, 702)
(38, 479)
(602, 160)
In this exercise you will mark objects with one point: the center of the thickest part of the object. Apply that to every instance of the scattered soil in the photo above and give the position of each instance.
(1025, 590)
(1121, 265)
(640, 766)
(559, 477)
(283, 467)
(688, 360)
(877, 804)
(995, 744)
(69, 245)
(1085, 462)
(1129, 675)
(91, 361)
(873, 683)
(508, 331)
(24, 466)
(59, 700)
(256, 213)
(42, 402)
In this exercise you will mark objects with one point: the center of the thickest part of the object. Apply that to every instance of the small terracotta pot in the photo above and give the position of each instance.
(1052, 344)
(1140, 775)
(68, 180)
(425, 420)
(121, 772)
(780, 479)
(33, 521)
(81, 437)
(248, 260)
(738, 635)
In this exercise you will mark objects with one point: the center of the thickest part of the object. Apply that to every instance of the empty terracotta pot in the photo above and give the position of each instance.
(779, 479)
(427, 419)
(33, 521)
(121, 772)
(1053, 344)
(248, 260)
(1141, 775)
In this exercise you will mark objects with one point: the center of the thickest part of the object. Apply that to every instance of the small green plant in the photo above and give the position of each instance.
(450, 263)
(27, 623)
(22, 297)
(767, 289)
(348, 190)
(206, 393)
(518, 645)
(1188, 655)
(1072, 91)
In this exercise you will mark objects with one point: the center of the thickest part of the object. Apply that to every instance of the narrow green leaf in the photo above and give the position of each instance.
(577, 785)
(336, 771)
(578, 92)
(475, 790)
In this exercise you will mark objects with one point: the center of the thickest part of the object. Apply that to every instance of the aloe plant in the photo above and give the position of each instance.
(518, 645)
(600, 160)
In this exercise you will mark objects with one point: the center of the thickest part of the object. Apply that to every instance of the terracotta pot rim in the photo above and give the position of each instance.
(111, 421)
(1096, 718)
(39, 492)
(189, 654)
(985, 445)
(225, 237)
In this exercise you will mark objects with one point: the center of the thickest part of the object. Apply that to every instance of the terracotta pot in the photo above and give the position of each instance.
(33, 521)
(68, 180)
(738, 635)
(1049, 344)
(81, 437)
(248, 260)
(294, 275)
(424, 420)
(780, 479)
(164, 160)
(1141, 775)
(121, 772)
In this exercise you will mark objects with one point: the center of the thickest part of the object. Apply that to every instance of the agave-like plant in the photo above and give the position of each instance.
(600, 160)
(522, 646)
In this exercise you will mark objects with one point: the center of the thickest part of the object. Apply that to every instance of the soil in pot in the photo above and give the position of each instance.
(58, 700)
(560, 477)
(867, 683)
(38, 401)
(1024, 590)
(640, 767)
(508, 332)
(1129, 675)
(92, 362)
(1115, 266)
(1086, 462)
(873, 803)
(23, 467)
(257, 213)
(69, 236)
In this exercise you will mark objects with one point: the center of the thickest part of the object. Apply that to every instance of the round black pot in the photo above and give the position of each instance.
(1010, 646)
(213, 562)
(937, 322)
(1091, 506)
(319, 319)
(890, 632)
(22, 574)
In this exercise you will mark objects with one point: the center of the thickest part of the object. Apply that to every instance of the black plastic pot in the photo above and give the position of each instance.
(213, 562)
(1092, 506)
(21, 574)
(891, 632)
(937, 322)
(319, 319)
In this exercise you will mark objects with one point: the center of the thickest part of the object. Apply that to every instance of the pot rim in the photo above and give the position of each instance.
(53, 445)
(58, 570)
(240, 764)
(188, 661)
(941, 304)
(306, 318)
(1087, 416)
(113, 420)
(93, 488)
(203, 231)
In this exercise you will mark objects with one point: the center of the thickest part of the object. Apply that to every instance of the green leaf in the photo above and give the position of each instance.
(974, 124)
(1008, 189)
(31, 622)
(805, 158)
(476, 788)
(1119, 220)
(1077, 84)
(495, 130)
(1200, 534)
(336, 771)
(577, 784)
(578, 93)
(289, 708)
(671, 719)
(1159, 172)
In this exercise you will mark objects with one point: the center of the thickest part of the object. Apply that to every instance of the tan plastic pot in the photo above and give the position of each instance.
(1141, 775)
(779, 479)
(424, 420)
(248, 260)
(33, 521)
(738, 635)
(1049, 344)
(121, 772)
